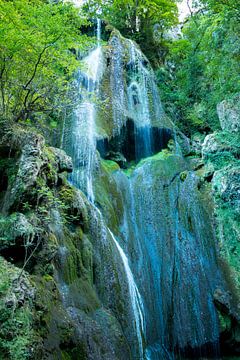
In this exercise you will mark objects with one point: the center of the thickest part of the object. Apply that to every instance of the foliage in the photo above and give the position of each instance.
(142, 20)
(36, 62)
(16, 330)
(202, 67)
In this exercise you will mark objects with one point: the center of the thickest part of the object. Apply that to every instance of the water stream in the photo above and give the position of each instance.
(85, 161)
(84, 156)
(168, 252)
(136, 299)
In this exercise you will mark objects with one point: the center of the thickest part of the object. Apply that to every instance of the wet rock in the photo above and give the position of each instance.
(223, 298)
(208, 172)
(184, 143)
(229, 317)
(197, 163)
(229, 114)
(196, 144)
(118, 158)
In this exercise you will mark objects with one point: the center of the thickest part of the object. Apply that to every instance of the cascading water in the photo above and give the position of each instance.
(174, 260)
(136, 299)
(84, 156)
(85, 162)
(164, 235)
(168, 256)
(117, 84)
(143, 101)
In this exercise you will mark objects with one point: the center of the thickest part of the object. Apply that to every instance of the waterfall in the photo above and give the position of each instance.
(83, 135)
(136, 299)
(117, 84)
(84, 158)
(169, 258)
(180, 272)
(136, 302)
(138, 103)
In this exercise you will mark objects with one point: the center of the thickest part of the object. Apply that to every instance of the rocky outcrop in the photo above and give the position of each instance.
(221, 142)
(226, 183)
(62, 160)
(221, 152)
(229, 114)
(61, 255)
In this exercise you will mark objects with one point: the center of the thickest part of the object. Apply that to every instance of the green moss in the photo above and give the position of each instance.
(183, 175)
(222, 159)
(48, 277)
(108, 197)
(17, 336)
(65, 356)
(228, 220)
(224, 322)
(131, 167)
(110, 165)
(162, 155)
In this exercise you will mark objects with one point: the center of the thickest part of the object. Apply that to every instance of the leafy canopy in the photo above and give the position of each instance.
(204, 66)
(36, 63)
(137, 19)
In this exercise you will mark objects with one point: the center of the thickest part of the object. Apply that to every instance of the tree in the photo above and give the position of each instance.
(136, 18)
(206, 66)
(36, 63)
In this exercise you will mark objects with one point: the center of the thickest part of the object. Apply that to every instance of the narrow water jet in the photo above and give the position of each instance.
(136, 300)
(84, 155)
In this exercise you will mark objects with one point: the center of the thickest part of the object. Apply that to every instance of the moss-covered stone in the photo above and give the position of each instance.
(18, 339)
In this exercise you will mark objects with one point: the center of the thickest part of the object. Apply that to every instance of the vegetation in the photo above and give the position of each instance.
(143, 20)
(202, 66)
(49, 231)
(37, 58)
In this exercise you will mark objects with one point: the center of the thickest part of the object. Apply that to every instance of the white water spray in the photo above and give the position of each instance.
(136, 299)
(84, 137)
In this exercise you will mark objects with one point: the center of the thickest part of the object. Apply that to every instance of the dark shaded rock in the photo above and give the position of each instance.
(118, 158)
(229, 323)
(184, 143)
(130, 139)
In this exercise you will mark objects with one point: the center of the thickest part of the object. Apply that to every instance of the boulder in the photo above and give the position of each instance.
(212, 145)
(219, 142)
(14, 227)
(118, 158)
(63, 160)
(196, 143)
(226, 183)
(28, 168)
(229, 114)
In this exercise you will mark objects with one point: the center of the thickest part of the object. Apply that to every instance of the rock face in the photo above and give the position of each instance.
(55, 240)
(229, 114)
(221, 157)
(63, 161)
(178, 227)
(220, 143)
